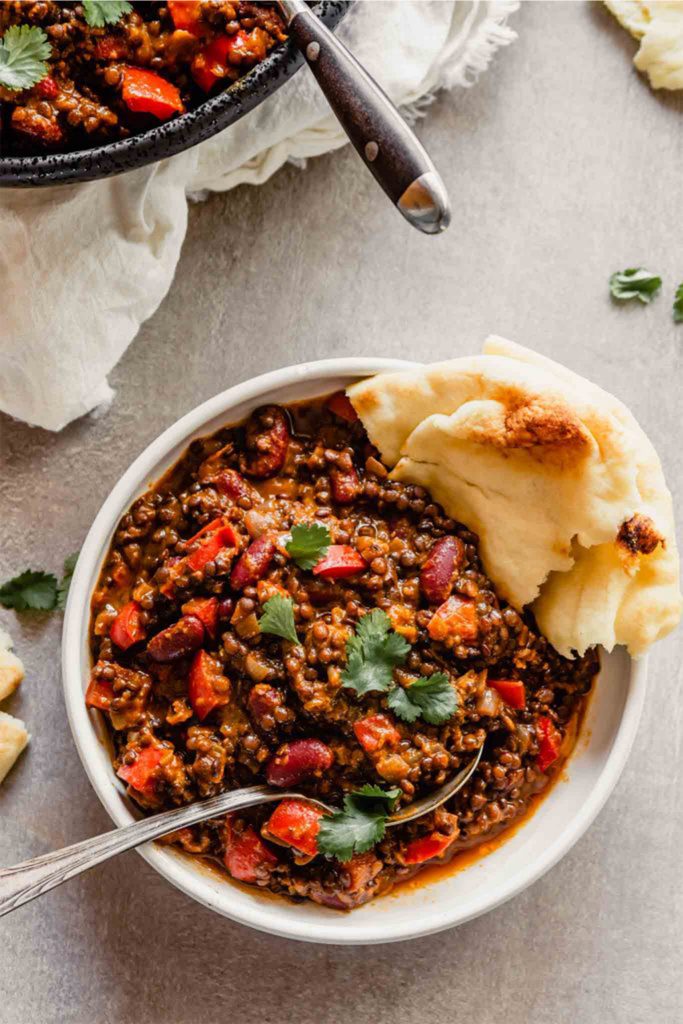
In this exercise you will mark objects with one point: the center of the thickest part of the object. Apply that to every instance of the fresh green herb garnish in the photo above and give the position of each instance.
(634, 283)
(24, 50)
(99, 13)
(373, 653)
(278, 618)
(308, 544)
(65, 582)
(678, 305)
(360, 824)
(431, 698)
(30, 590)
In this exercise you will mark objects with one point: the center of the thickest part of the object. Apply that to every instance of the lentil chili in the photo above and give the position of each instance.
(107, 82)
(200, 699)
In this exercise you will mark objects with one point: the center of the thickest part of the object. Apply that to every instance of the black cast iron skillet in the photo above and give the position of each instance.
(173, 137)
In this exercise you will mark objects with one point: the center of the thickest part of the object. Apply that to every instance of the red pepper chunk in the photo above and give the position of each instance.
(100, 694)
(215, 537)
(145, 92)
(246, 857)
(186, 15)
(208, 687)
(141, 774)
(47, 87)
(427, 847)
(212, 63)
(346, 485)
(375, 732)
(340, 561)
(340, 404)
(549, 743)
(126, 629)
(511, 690)
(206, 610)
(455, 618)
(295, 823)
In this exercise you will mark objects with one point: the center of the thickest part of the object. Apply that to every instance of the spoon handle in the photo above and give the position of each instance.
(23, 882)
(385, 143)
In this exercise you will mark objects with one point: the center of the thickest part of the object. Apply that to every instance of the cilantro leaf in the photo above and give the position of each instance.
(430, 697)
(65, 582)
(30, 590)
(634, 283)
(24, 50)
(99, 13)
(359, 825)
(678, 305)
(308, 543)
(278, 618)
(373, 653)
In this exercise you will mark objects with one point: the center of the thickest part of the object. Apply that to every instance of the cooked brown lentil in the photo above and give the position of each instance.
(176, 608)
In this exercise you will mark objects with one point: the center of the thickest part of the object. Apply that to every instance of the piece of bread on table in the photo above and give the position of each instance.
(13, 739)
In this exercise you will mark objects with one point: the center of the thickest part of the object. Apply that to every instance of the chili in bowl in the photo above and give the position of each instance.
(276, 609)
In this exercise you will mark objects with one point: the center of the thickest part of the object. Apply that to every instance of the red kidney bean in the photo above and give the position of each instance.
(441, 568)
(263, 702)
(226, 607)
(232, 484)
(183, 637)
(252, 565)
(297, 761)
(267, 441)
(345, 485)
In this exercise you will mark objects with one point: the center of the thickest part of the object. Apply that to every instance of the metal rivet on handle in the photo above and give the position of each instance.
(371, 151)
(313, 50)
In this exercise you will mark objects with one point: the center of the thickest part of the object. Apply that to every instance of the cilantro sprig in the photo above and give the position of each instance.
(308, 543)
(24, 52)
(99, 13)
(35, 590)
(374, 652)
(359, 825)
(634, 283)
(678, 305)
(278, 618)
(431, 698)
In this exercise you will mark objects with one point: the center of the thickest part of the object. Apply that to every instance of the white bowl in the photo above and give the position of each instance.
(597, 762)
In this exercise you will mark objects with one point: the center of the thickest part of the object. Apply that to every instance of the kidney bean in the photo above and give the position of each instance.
(443, 564)
(183, 637)
(233, 484)
(263, 702)
(267, 441)
(345, 485)
(297, 761)
(252, 565)
(226, 607)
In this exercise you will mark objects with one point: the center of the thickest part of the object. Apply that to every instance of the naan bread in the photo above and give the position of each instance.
(554, 474)
(11, 668)
(13, 739)
(659, 27)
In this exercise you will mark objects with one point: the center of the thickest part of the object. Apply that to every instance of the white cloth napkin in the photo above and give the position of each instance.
(81, 267)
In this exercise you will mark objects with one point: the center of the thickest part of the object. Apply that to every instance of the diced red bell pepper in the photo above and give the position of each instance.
(247, 858)
(340, 404)
(208, 687)
(212, 63)
(206, 610)
(253, 563)
(295, 823)
(141, 774)
(216, 536)
(186, 15)
(340, 561)
(456, 617)
(47, 87)
(99, 694)
(375, 732)
(426, 847)
(549, 743)
(145, 92)
(126, 629)
(511, 690)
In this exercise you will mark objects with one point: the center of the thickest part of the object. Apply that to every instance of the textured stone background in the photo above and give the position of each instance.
(562, 167)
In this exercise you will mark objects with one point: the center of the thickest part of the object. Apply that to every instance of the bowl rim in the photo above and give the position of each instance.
(165, 449)
(171, 137)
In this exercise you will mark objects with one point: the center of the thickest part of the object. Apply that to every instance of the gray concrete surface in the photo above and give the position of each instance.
(563, 167)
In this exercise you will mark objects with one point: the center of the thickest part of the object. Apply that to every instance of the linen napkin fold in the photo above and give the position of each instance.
(117, 241)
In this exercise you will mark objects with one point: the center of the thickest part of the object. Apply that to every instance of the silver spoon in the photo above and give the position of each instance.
(23, 882)
(385, 143)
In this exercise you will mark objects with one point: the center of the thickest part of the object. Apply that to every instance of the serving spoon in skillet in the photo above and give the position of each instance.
(385, 143)
(23, 882)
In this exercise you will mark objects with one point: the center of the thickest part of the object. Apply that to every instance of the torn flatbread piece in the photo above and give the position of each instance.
(13, 739)
(549, 471)
(659, 27)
